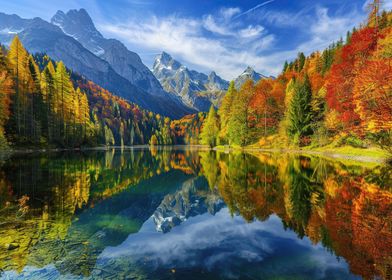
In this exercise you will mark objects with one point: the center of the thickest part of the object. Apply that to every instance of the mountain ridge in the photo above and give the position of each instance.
(196, 89)
(40, 36)
(191, 86)
(79, 25)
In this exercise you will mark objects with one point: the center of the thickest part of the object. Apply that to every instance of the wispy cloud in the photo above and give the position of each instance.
(217, 42)
(328, 29)
(228, 13)
(251, 31)
(210, 24)
(254, 8)
(185, 39)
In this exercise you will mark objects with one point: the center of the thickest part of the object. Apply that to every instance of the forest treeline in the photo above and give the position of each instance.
(43, 104)
(342, 95)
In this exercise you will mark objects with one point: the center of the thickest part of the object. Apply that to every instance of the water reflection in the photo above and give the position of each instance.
(187, 213)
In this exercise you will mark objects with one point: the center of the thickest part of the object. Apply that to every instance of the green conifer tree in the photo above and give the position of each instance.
(210, 129)
(300, 111)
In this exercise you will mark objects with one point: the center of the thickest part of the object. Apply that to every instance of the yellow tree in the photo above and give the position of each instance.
(48, 93)
(5, 92)
(18, 59)
(225, 111)
(64, 90)
(84, 112)
(210, 129)
(34, 102)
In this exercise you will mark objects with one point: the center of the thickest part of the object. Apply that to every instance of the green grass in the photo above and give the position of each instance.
(232, 147)
(351, 151)
(373, 152)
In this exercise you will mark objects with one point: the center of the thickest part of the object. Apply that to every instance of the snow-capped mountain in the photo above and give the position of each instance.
(248, 74)
(141, 87)
(78, 24)
(196, 90)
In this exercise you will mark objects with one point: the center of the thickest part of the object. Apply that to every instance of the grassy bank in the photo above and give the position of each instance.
(345, 154)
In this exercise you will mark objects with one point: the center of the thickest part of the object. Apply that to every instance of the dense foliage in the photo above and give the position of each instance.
(44, 105)
(343, 94)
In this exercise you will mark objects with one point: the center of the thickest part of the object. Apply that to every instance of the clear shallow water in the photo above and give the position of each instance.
(182, 214)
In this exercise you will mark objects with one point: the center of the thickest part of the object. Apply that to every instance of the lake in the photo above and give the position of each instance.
(183, 213)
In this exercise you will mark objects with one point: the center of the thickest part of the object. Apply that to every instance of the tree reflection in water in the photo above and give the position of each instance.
(65, 209)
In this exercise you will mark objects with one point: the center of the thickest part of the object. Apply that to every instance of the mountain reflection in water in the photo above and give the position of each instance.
(191, 214)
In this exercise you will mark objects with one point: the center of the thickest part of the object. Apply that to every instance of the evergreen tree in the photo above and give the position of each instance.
(210, 129)
(301, 61)
(64, 90)
(35, 103)
(48, 93)
(300, 112)
(84, 114)
(166, 138)
(18, 60)
(238, 127)
(154, 140)
(5, 92)
(285, 67)
(225, 112)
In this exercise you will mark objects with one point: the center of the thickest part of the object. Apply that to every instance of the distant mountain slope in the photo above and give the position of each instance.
(40, 36)
(197, 90)
(248, 74)
(78, 24)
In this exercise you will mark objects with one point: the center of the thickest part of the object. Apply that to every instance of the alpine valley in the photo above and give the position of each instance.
(73, 38)
(164, 154)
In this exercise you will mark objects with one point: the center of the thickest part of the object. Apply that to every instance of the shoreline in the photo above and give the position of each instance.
(331, 153)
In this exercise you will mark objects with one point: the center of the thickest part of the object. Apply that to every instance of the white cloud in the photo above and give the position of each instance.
(232, 240)
(184, 38)
(210, 24)
(251, 31)
(329, 29)
(219, 42)
(228, 13)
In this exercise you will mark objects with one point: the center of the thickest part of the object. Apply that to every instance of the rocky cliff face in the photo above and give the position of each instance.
(78, 24)
(195, 89)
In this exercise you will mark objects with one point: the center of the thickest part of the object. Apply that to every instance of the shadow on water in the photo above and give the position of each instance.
(181, 213)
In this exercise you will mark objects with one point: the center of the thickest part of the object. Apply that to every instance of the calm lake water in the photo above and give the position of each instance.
(189, 214)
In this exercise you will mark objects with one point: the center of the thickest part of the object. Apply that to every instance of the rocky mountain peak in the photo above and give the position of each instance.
(76, 23)
(249, 70)
(212, 76)
(165, 57)
(196, 89)
(79, 25)
(248, 74)
(164, 63)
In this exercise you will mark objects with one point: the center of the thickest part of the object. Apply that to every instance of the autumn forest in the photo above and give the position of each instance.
(110, 169)
(340, 95)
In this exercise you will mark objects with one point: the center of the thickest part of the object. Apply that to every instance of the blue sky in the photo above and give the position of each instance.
(221, 35)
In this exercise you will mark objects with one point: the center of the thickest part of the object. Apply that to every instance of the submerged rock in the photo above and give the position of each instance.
(12, 246)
